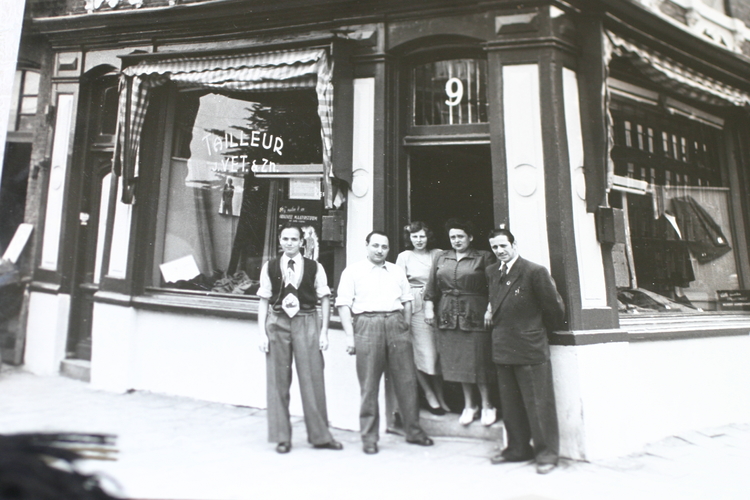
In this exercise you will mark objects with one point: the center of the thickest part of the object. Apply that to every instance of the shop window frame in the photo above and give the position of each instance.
(17, 97)
(653, 115)
(276, 189)
(135, 288)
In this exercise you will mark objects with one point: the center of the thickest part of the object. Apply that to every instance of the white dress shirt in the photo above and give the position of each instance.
(368, 287)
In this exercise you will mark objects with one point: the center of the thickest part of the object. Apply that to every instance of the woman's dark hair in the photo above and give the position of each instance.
(464, 225)
(415, 227)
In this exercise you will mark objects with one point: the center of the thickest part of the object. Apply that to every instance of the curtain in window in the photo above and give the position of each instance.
(277, 70)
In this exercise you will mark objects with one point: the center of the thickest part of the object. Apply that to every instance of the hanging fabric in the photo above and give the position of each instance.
(277, 70)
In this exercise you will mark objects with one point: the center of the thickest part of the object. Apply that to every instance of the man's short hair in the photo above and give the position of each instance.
(502, 232)
(291, 226)
(381, 233)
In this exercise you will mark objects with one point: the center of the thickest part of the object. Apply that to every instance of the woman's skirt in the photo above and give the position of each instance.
(466, 356)
(424, 343)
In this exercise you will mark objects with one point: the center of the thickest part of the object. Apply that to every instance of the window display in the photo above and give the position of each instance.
(679, 250)
(222, 207)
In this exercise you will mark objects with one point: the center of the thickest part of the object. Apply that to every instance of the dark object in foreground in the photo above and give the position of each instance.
(40, 466)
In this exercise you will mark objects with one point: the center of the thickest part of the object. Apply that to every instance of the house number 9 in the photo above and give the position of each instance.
(454, 89)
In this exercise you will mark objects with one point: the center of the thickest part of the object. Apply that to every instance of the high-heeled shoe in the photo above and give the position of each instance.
(468, 416)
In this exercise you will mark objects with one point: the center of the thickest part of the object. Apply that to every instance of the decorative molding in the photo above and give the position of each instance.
(703, 21)
(546, 42)
(517, 23)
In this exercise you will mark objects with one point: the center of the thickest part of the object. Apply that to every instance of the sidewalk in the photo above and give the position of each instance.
(179, 448)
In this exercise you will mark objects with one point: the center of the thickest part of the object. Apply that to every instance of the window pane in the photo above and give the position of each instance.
(109, 101)
(680, 230)
(13, 114)
(219, 214)
(28, 105)
(450, 92)
(31, 83)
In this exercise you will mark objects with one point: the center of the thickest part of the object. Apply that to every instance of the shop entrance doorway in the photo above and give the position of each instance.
(95, 190)
(452, 181)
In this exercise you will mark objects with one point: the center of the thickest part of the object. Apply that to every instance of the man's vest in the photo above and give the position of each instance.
(305, 293)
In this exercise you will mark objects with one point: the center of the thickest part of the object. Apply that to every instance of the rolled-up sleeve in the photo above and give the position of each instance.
(265, 291)
(345, 291)
(321, 282)
(406, 295)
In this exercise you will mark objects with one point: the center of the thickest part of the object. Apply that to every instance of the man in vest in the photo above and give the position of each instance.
(290, 287)
(374, 301)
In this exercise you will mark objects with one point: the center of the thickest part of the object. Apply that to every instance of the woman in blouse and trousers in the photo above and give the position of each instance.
(417, 263)
(457, 281)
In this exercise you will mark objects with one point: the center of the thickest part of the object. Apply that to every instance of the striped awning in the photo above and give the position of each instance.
(674, 75)
(274, 70)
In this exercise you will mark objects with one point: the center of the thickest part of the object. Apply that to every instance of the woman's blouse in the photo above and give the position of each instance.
(417, 267)
(461, 289)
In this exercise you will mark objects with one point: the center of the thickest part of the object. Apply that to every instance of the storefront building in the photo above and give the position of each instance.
(174, 137)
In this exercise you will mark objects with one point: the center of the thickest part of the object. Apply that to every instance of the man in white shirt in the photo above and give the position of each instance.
(374, 301)
(290, 287)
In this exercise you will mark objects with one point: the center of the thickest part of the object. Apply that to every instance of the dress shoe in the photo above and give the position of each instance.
(489, 416)
(331, 445)
(421, 441)
(468, 416)
(502, 459)
(436, 411)
(370, 448)
(283, 447)
(545, 468)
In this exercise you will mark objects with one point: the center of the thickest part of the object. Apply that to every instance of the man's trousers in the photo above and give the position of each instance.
(383, 345)
(527, 399)
(298, 338)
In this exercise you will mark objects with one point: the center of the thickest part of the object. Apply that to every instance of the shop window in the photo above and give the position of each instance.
(680, 247)
(24, 100)
(242, 164)
(450, 92)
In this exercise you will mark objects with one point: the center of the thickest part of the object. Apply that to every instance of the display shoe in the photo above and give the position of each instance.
(489, 416)
(468, 416)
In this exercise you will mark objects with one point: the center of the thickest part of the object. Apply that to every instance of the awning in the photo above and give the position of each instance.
(674, 75)
(275, 70)
(667, 73)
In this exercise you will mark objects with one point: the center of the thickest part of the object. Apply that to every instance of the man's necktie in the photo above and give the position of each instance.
(290, 304)
(503, 272)
(290, 274)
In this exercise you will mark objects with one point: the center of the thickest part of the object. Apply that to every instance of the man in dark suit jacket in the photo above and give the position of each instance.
(524, 306)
